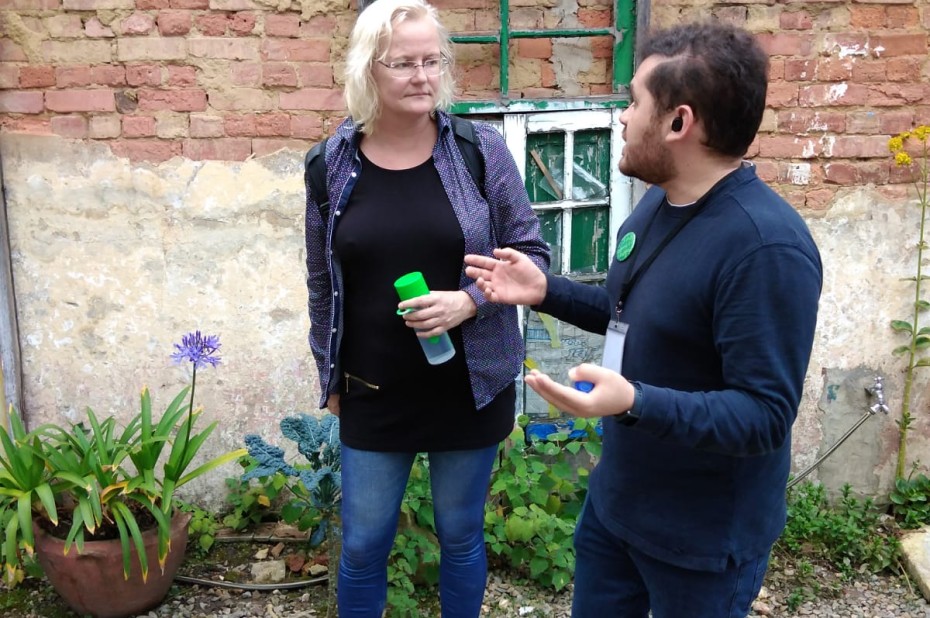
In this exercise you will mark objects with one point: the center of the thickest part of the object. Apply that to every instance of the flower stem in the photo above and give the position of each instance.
(190, 422)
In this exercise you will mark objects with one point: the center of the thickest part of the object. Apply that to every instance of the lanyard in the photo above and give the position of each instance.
(633, 276)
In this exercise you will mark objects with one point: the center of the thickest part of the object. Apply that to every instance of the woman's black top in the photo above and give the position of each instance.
(392, 399)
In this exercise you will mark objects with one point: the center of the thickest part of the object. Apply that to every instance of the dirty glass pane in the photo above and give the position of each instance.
(590, 239)
(591, 169)
(551, 224)
(550, 148)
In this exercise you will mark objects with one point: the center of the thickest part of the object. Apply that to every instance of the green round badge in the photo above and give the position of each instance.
(625, 248)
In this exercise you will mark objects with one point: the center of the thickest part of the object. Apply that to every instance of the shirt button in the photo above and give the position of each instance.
(338, 212)
(334, 330)
(354, 174)
(335, 294)
(333, 366)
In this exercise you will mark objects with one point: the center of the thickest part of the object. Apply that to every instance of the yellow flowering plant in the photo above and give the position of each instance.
(914, 349)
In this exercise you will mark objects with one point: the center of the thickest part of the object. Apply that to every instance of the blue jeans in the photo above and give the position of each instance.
(373, 485)
(613, 579)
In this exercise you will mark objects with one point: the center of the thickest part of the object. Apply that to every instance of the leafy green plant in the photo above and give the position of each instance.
(202, 528)
(918, 336)
(910, 501)
(852, 535)
(537, 492)
(253, 501)
(92, 481)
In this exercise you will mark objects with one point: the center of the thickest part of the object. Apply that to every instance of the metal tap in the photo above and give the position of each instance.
(877, 391)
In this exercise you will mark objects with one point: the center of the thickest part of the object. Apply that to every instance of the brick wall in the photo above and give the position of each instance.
(228, 79)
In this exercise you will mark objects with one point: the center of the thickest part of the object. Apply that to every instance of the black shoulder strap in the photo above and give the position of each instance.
(315, 177)
(467, 142)
(465, 139)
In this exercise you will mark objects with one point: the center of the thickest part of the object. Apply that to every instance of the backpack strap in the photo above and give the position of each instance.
(315, 177)
(465, 139)
(467, 142)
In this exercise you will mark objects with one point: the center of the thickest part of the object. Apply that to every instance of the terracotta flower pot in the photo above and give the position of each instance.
(92, 582)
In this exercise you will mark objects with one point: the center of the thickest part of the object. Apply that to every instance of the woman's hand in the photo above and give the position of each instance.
(332, 404)
(437, 312)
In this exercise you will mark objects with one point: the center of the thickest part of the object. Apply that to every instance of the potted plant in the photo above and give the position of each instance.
(91, 498)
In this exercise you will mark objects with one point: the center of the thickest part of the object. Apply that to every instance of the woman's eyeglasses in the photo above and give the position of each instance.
(404, 69)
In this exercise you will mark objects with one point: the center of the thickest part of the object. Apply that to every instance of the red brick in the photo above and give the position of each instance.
(239, 125)
(776, 69)
(69, 126)
(307, 126)
(894, 122)
(857, 147)
(9, 75)
(70, 77)
(144, 75)
(903, 174)
(799, 69)
(864, 70)
(905, 69)
(594, 18)
(278, 74)
(287, 25)
(903, 17)
(787, 147)
(866, 123)
(80, 100)
(108, 75)
(819, 199)
(804, 121)
(11, 52)
(182, 77)
(547, 78)
(830, 95)
(304, 50)
(242, 24)
(786, 43)
(873, 172)
(19, 102)
(273, 125)
(36, 77)
(884, 46)
(245, 73)
(212, 24)
(534, 48)
(151, 5)
(137, 24)
(103, 127)
(222, 149)
(184, 100)
(321, 25)
(885, 95)
(310, 75)
(312, 99)
(796, 20)
(841, 173)
(96, 30)
(190, 4)
(152, 150)
(138, 126)
(766, 170)
(868, 16)
(782, 94)
(845, 44)
(174, 23)
(734, 15)
(264, 146)
(206, 126)
(833, 69)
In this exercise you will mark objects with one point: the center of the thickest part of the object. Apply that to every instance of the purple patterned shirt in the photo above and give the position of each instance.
(493, 343)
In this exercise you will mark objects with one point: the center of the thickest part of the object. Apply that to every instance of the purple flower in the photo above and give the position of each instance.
(198, 349)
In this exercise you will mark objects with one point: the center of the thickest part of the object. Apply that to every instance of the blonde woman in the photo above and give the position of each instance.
(401, 199)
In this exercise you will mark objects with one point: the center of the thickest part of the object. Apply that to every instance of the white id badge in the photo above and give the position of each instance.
(613, 345)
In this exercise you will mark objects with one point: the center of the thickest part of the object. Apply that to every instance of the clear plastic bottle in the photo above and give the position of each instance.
(437, 349)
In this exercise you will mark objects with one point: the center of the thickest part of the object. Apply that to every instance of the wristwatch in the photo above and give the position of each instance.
(630, 416)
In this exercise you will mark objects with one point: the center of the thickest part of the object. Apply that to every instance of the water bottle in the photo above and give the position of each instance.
(437, 349)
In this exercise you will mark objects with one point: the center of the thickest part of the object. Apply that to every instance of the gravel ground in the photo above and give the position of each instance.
(871, 597)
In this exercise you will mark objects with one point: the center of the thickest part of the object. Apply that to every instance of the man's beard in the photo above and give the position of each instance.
(649, 160)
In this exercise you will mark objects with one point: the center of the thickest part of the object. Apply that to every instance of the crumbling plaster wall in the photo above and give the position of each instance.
(113, 262)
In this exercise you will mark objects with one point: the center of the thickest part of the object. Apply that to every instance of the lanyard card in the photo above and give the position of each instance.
(613, 345)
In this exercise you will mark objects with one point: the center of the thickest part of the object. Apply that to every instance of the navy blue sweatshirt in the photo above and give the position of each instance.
(720, 333)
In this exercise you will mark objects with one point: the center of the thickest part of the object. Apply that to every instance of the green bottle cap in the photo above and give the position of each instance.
(411, 285)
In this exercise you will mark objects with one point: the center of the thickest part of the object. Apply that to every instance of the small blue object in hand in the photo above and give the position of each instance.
(584, 386)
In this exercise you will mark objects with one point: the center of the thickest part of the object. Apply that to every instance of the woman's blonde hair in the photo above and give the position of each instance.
(369, 42)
